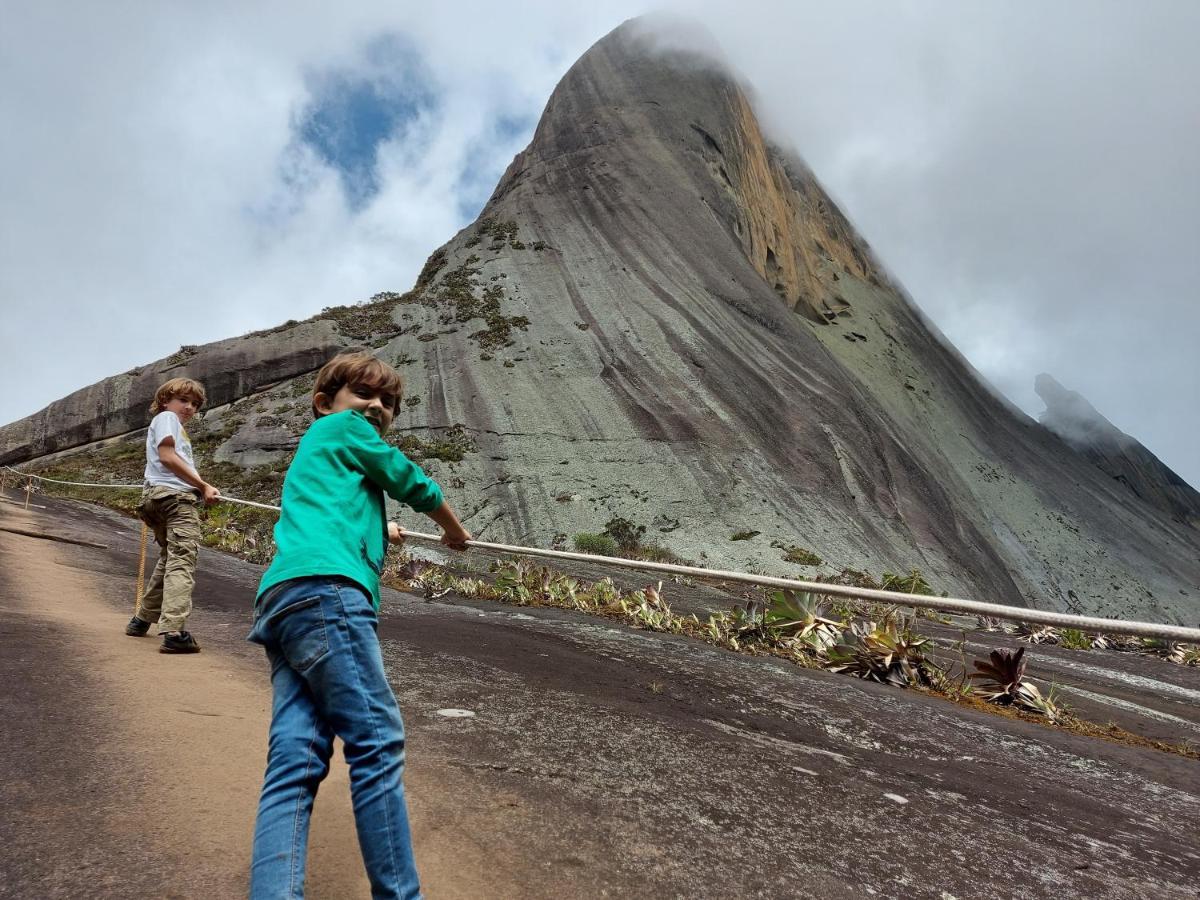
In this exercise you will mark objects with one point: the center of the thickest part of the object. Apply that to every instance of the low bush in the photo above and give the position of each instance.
(596, 544)
(801, 557)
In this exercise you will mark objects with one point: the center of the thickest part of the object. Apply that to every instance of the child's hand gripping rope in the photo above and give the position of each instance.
(395, 534)
(455, 537)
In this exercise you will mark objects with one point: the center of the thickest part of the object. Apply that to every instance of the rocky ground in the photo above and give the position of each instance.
(600, 760)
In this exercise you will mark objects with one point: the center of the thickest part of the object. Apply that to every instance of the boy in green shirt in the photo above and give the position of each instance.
(316, 615)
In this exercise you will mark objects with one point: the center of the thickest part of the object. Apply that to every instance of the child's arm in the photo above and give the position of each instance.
(403, 480)
(454, 535)
(173, 461)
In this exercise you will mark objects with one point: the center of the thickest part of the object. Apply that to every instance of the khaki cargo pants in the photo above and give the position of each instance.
(174, 516)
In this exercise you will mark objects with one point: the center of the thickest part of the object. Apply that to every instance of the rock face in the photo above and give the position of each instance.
(228, 370)
(660, 315)
(1069, 415)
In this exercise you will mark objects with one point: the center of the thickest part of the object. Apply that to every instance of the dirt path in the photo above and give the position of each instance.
(132, 773)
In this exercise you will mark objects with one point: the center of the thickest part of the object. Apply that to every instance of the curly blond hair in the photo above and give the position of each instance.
(177, 387)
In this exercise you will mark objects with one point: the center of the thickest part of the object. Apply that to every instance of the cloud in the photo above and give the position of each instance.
(172, 175)
(352, 112)
(181, 173)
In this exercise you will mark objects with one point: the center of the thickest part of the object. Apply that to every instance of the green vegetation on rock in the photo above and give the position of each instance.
(457, 289)
(595, 544)
(912, 583)
(451, 445)
(626, 534)
(800, 556)
(621, 537)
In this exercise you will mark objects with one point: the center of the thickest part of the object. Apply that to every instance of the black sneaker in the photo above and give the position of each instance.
(179, 643)
(137, 627)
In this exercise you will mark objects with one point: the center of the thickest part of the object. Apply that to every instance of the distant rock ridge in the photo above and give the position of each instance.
(1069, 415)
(228, 369)
(661, 315)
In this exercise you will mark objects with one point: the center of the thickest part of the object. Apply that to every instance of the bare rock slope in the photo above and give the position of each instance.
(661, 315)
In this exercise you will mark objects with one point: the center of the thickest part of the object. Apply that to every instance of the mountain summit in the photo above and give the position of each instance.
(662, 316)
(1069, 415)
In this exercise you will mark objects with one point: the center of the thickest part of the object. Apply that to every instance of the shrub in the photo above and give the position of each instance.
(596, 544)
(656, 552)
(800, 556)
(1074, 639)
(912, 583)
(744, 535)
(433, 265)
(625, 534)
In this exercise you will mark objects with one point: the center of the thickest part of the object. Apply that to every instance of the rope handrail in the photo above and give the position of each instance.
(950, 604)
(132, 487)
(21, 474)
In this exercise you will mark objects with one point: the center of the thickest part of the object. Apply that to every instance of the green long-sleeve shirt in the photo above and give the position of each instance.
(334, 520)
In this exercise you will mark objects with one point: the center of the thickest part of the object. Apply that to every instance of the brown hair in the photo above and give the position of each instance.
(177, 387)
(354, 369)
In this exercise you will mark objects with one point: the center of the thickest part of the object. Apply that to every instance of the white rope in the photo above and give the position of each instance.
(995, 610)
(224, 499)
(949, 604)
(21, 474)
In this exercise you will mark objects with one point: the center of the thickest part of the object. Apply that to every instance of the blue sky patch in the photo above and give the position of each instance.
(353, 111)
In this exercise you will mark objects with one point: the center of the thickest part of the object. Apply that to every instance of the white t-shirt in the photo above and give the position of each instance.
(166, 424)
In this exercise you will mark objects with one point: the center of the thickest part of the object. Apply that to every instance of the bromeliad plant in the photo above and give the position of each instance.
(1184, 654)
(523, 583)
(1002, 680)
(1038, 634)
(648, 609)
(736, 629)
(989, 623)
(1075, 639)
(800, 620)
(889, 652)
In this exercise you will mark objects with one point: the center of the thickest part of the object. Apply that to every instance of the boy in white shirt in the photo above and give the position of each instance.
(171, 497)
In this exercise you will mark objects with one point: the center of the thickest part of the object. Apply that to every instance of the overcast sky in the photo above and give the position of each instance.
(176, 173)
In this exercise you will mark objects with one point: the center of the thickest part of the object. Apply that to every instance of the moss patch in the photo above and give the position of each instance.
(362, 321)
(450, 445)
(797, 555)
(457, 290)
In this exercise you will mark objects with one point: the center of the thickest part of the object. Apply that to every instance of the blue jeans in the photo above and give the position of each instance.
(328, 679)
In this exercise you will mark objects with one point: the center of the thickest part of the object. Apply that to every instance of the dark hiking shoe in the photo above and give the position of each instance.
(137, 627)
(183, 642)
